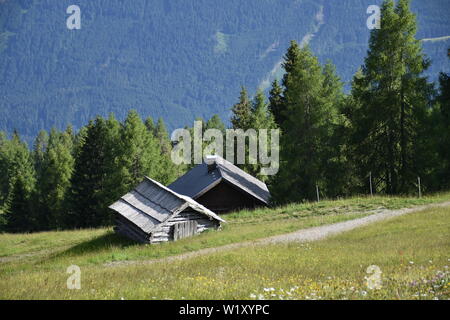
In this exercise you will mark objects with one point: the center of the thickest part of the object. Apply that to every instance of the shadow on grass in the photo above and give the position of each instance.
(108, 240)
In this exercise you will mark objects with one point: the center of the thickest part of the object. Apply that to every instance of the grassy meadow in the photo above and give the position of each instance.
(412, 252)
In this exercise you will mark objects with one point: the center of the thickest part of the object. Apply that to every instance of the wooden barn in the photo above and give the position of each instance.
(222, 187)
(152, 213)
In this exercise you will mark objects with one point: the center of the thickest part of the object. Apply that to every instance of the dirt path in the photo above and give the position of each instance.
(304, 235)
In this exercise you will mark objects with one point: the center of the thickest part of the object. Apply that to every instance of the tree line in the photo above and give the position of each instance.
(69, 179)
(393, 127)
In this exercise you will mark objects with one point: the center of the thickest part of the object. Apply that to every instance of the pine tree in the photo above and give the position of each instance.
(112, 176)
(167, 171)
(306, 129)
(5, 158)
(19, 217)
(337, 169)
(94, 183)
(139, 155)
(20, 177)
(261, 118)
(391, 97)
(150, 124)
(242, 111)
(54, 179)
(215, 123)
(162, 137)
(276, 103)
(39, 149)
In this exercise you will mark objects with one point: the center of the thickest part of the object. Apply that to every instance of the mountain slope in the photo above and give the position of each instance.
(177, 59)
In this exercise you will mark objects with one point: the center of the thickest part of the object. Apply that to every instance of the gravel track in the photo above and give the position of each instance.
(303, 235)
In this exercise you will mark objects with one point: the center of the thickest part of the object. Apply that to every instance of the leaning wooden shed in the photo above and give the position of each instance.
(152, 213)
(221, 186)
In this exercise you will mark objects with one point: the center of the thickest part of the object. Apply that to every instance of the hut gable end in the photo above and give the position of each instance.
(206, 184)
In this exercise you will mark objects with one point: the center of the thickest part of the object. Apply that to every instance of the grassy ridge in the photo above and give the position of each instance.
(333, 268)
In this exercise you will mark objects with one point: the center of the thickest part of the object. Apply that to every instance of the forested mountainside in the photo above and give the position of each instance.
(173, 59)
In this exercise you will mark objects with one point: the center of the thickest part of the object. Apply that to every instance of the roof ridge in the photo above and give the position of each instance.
(186, 199)
(157, 204)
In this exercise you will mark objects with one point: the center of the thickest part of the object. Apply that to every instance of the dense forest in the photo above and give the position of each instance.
(173, 57)
(393, 125)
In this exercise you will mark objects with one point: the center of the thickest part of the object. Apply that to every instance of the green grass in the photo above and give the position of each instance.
(34, 265)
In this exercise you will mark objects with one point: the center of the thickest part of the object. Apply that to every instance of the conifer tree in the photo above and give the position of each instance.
(54, 179)
(5, 158)
(241, 111)
(39, 149)
(162, 137)
(150, 124)
(276, 103)
(20, 177)
(339, 178)
(261, 118)
(167, 171)
(306, 129)
(18, 215)
(215, 123)
(139, 155)
(391, 97)
(94, 184)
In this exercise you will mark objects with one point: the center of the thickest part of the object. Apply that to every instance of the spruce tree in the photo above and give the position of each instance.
(54, 179)
(20, 179)
(150, 124)
(162, 137)
(39, 149)
(241, 111)
(140, 154)
(261, 118)
(306, 129)
(215, 122)
(276, 103)
(5, 158)
(18, 216)
(94, 184)
(167, 171)
(337, 169)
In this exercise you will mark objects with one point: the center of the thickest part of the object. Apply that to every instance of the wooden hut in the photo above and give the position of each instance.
(152, 213)
(221, 186)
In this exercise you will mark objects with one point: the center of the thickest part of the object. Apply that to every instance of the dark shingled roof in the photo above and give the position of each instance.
(198, 181)
(151, 204)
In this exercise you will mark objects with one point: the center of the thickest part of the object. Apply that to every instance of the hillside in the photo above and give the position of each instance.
(408, 249)
(187, 58)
